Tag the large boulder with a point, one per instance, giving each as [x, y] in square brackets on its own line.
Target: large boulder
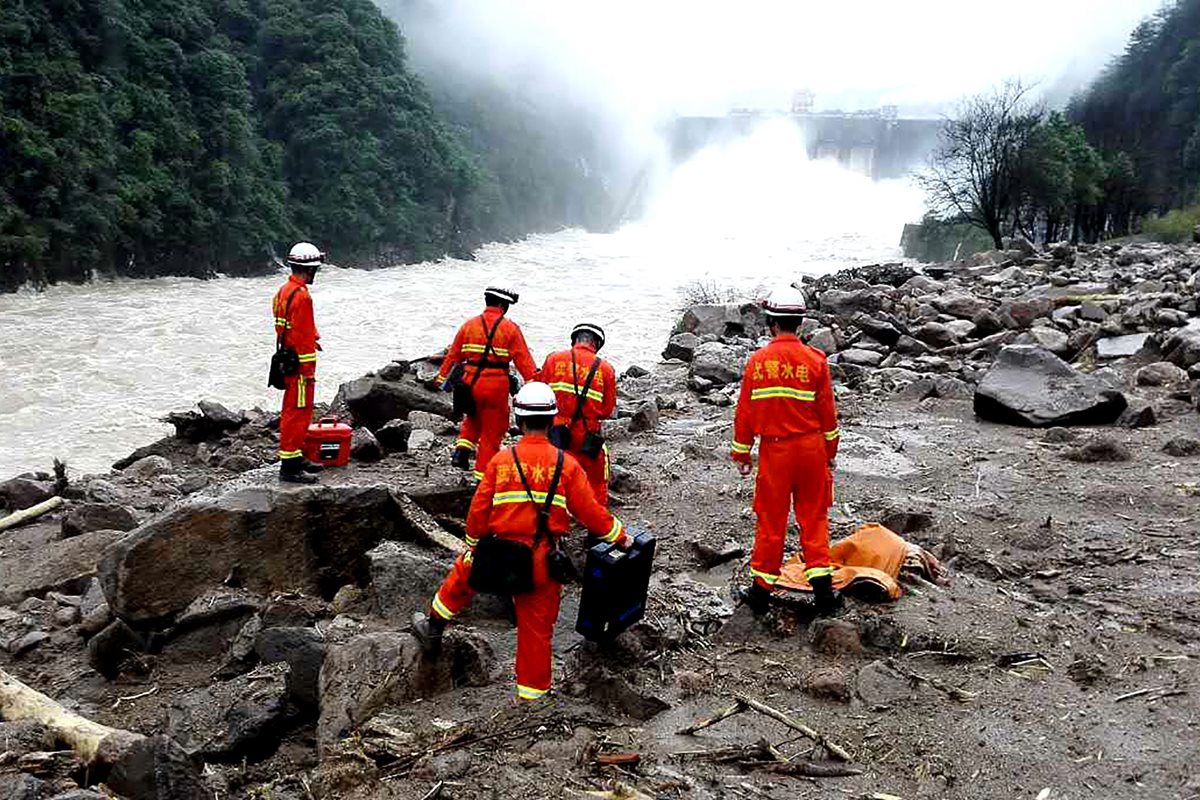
[374, 402]
[1020, 312]
[212, 421]
[719, 363]
[373, 670]
[1031, 386]
[848, 303]
[21, 492]
[1183, 347]
[62, 565]
[682, 346]
[959, 304]
[404, 577]
[731, 319]
[266, 538]
[88, 517]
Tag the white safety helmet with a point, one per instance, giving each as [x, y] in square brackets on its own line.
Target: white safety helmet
[305, 255]
[535, 400]
[503, 295]
[786, 302]
[594, 330]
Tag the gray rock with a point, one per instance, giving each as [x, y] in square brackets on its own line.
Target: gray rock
[732, 319]
[60, 565]
[848, 303]
[421, 439]
[111, 649]
[934, 334]
[269, 538]
[87, 517]
[906, 345]
[423, 420]
[682, 346]
[1053, 340]
[1120, 346]
[880, 330]
[1021, 312]
[303, 649]
[239, 463]
[149, 467]
[635, 371]
[862, 358]
[1138, 414]
[374, 402]
[987, 322]
[825, 340]
[394, 435]
[19, 786]
[395, 371]
[1162, 373]
[93, 608]
[1092, 311]
[66, 616]
[1182, 447]
[374, 670]
[623, 480]
[1031, 386]
[879, 685]
[364, 446]
[23, 644]
[19, 493]
[645, 418]
[1183, 347]
[719, 363]
[959, 304]
[404, 577]
[236, 719]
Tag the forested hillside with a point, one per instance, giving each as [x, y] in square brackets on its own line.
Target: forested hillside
[196, 136]
[1147, 104]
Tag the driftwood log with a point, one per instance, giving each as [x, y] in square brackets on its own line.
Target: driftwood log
[26, 514]
[136, 766]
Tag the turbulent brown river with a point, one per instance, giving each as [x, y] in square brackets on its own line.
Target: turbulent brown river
[89, 370]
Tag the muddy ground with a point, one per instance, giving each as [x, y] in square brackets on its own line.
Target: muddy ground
[1059, 663]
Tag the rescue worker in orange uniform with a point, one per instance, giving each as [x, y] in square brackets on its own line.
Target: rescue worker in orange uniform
[487, 345]
[296, 329]
[787, 402]
[502, 507]
[586, 388]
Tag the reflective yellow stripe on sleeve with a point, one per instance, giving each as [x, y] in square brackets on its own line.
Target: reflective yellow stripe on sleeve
[833, 434]
[465, 444]
[742, 449]
[615, 531]
[307, 357]
[440, 609]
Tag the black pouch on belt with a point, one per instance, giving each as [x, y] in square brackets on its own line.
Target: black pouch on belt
[559, 566]
[464, 399]
[501, 566]
[285, 362]
[593, 445]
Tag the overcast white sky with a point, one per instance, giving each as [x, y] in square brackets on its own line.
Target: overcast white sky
[695, 56]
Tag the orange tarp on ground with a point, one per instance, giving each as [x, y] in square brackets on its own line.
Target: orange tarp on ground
[869, 562]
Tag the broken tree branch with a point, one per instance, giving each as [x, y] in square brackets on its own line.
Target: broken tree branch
[961, 695]
[33, 512]
[708, 722]
[834, 750]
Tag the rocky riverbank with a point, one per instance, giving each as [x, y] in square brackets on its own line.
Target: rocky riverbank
[1029, 417]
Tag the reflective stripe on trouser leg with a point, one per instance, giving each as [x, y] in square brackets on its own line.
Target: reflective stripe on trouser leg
[813, 492]
[772, 503]
[537, 611]
[455, 594]
[294, 419]
[491, 404]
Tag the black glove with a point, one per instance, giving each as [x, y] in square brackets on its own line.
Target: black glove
[433, 385]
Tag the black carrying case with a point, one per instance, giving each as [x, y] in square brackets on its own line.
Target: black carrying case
[615, 585]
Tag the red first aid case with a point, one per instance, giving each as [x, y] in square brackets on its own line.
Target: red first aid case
[328, 442]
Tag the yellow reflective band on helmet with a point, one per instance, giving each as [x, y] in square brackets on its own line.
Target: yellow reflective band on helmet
[615, 531]
[817, 572]
[306, 357]
[290, 453]
[766, 577]
[440, 609]
[833, 434]
[789, 392]
[465, 444]
[738, 447]
[507, 498]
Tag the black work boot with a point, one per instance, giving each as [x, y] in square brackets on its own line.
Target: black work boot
[826, 599]
[756, 598]
[461, 458]
[427, 629]
[311, 466]
[291, 470]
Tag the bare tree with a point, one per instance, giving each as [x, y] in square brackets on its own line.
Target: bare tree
[974, 170]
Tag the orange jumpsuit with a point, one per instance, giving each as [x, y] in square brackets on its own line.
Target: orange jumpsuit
[567, 383]
[484, 430]
[787, 400]
[501, 507]
[294, 322]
